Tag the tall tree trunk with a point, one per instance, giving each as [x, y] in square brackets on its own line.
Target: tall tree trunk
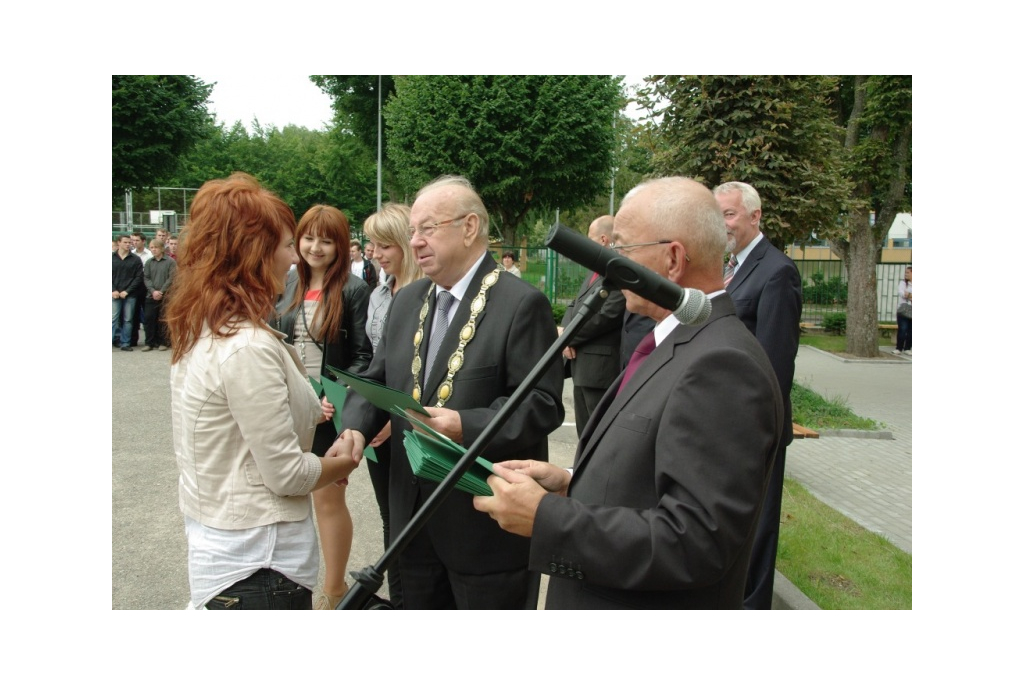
[861, 310]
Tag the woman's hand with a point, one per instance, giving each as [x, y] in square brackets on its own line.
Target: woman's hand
[328, 410]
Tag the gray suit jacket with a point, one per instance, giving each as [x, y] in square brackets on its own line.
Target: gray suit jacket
[768, 295]
[666, 491]
[514, 330]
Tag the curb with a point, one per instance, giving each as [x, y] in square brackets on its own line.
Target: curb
[854, 433]
[887, 359]
[788, 596]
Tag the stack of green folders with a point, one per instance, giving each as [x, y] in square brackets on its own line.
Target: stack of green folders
[431, 454]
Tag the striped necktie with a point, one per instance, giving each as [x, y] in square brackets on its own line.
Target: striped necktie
[730, 269]
[444, 301]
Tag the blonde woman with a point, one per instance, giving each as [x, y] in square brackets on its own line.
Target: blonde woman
[389, 231]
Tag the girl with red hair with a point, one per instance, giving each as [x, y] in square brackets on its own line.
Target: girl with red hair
[242, 410]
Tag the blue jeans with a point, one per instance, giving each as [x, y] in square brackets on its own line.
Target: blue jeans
[904, 329]
[265, 589]
[123, 314]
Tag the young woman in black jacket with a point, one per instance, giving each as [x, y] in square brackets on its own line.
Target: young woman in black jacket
[323, 314]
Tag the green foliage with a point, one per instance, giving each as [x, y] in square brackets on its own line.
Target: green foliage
[834, 322]
[524, 142]
[819, 292]
[304, 167]
[559, 311]
[154, 120]
[776, 133]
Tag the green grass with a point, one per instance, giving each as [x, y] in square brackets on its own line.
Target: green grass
[813, 411]
[837, 563]
[837, 343]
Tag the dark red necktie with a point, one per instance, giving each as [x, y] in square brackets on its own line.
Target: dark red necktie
[643, 350]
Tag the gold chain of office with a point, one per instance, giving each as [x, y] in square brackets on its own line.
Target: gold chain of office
[444, 392]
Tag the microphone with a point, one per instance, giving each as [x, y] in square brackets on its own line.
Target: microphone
[689, 305]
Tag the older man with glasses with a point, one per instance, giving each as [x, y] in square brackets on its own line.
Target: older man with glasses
[460, 342]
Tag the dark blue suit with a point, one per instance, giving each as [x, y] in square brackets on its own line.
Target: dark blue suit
[766, 289]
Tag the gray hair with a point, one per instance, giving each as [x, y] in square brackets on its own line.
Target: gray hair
[751, 200]
[467, 199]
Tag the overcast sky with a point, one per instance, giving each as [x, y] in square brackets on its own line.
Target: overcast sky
[272, 98]
[275, 99]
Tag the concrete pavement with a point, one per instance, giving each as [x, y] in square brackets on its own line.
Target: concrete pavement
[868, 480]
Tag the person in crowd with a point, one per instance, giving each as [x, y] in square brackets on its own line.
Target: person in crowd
[388, 229]
[766, 287]
[461, 342]
[363, 268]
[162, 235]
[371, 254]
[139, 247]
[172, 247]
[127, 278]
[904, 319]
[593, 352]
[508, 261]
[323, 314]
[660, 507]
[157, 274]
[243, 411]
[139, 317]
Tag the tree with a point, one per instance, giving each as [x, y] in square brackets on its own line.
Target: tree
[155, 120]
[357, 101]
[877, 112]
[776, 133]
[524, 142]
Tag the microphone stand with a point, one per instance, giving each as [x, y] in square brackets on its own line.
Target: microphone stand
[370, 579]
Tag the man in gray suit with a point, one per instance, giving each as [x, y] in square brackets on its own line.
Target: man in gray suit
[460, 341]
[660, 508]
[593, 352]
[765, 286]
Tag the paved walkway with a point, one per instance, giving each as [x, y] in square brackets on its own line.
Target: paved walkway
[868, 480]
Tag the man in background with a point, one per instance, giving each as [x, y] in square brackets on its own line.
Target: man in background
[766, 288]
[157, 274]
[127, 279]
[593, 351]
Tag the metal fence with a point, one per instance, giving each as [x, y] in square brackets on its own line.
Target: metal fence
[824, 282]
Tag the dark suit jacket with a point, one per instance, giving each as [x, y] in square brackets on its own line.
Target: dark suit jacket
[666, 492]
[597, 342]
[768, 295]
[514, 330]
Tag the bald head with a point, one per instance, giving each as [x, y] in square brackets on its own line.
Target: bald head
[683, 211]
[601, 229]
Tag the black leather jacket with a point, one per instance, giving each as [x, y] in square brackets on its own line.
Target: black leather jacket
[353, 351]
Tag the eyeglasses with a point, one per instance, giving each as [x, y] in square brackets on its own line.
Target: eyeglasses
[626, 249]
[427, 230]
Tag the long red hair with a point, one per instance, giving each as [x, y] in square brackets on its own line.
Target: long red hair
[225, 275]
[327, 222]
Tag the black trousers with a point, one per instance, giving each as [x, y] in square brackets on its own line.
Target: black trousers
[761, 574]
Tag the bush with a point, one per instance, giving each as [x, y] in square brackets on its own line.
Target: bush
[820, 292]
[559, 311]
[834, 322]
